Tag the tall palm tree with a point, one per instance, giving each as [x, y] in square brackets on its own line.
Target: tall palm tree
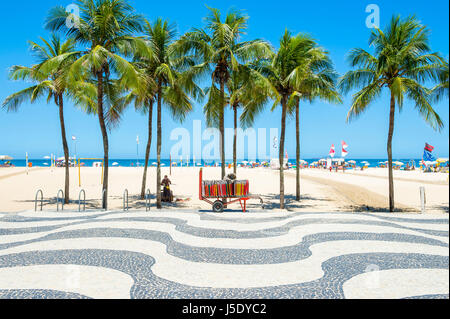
[219, 48]
[173, 80]
[279, 79]
[313, 79]
[52, 83]
[143, 98]
[401, 62]
[106, 27]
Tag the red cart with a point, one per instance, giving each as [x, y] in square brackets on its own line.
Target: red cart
[220, 202]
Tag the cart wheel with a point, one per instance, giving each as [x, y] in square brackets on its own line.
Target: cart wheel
[218, 206]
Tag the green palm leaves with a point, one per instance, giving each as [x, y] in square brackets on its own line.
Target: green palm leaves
[300, 70]
[50, 80]
[106, 28]
[219, 52]
[402, 62]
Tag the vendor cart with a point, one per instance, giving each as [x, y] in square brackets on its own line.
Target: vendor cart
[220, 200]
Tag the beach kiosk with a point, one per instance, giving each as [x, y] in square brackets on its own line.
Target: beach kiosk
[221, 193]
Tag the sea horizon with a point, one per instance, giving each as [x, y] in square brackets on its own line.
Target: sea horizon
[120, 162]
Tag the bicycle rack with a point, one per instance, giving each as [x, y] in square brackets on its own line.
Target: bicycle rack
[125, 195]
[84, 201]
[36, 199]
[147, 200]
[104, 199]
[58, 200]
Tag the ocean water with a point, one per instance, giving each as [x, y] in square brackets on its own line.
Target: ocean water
[166, 162]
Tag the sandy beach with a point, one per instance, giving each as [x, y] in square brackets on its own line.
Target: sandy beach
[322, 191]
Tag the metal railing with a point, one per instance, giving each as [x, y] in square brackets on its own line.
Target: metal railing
[36, 199]
[147, 200]
[58, 200]
[84, 200]
[125, 197]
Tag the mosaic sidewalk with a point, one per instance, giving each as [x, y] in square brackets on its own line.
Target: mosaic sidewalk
[189, 254]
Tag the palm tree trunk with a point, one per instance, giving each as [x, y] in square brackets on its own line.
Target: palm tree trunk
[158, 150]
[297, 160]
[222, 128]
[105, 139]
[281, 155]
[389, 151]
[235, 139]
[147, 150]
[65, 147]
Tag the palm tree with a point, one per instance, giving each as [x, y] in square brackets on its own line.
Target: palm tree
[401, 62]
[173, 80]
[282, 79]
[53, 84]
[313, 79]
[143, 98]
[236, 98]
[221, 53]
[106, 27]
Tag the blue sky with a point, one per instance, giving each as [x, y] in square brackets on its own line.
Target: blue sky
[337, 25]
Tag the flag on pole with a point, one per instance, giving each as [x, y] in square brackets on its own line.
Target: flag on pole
[427, 156]
[344, 149]
[332, 152]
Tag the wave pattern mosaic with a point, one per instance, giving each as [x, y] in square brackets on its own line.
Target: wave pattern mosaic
[186, 254]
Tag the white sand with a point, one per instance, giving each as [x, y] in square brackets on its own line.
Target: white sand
[321, 190]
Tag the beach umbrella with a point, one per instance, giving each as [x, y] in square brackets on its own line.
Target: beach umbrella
[115, 164]
[46, 164]
[5, 158]
[430, 163]
[398, 163]
[303, 162]
[162, 164]
[352, 161]
[442, 160]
